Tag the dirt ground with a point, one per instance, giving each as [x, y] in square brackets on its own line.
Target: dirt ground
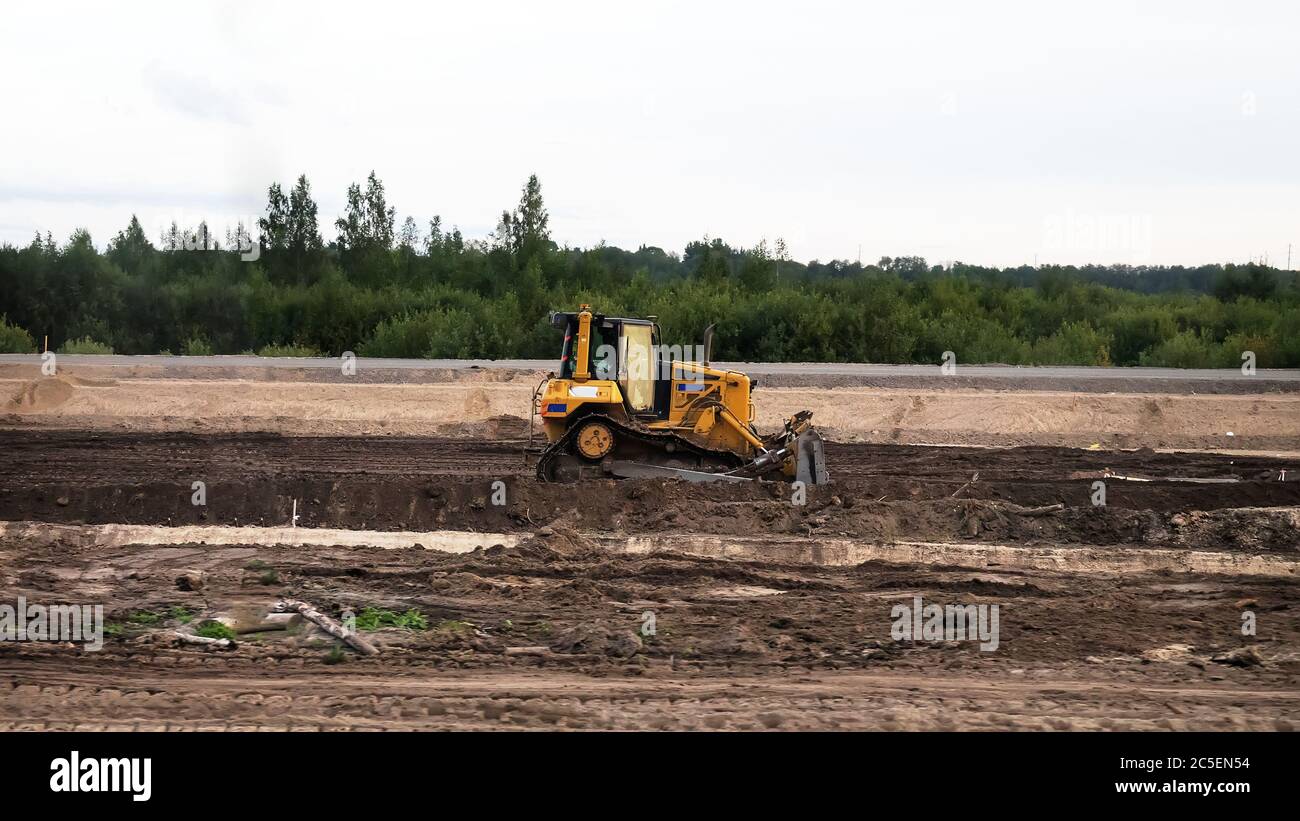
[490, 404]
[880, 492]
[552, 629]
[535, 637]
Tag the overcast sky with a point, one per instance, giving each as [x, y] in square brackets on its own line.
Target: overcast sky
[993, 133]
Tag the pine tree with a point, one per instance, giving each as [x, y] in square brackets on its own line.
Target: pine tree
[302, 241]
[130, 249]
[351, 226]
[275, 225]
[434, 242]
[368, 221]
[529, 228]
[380, 216]
[409, 236]
[302, 231]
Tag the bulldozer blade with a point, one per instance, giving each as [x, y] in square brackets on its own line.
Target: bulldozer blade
[638, 470]
[810, 453]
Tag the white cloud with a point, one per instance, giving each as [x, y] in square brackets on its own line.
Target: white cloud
[951, 130]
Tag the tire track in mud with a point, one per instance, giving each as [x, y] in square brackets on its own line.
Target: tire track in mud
[35, 456]
[46, 455]
[857, 701]
[880, 492]
[738, 644]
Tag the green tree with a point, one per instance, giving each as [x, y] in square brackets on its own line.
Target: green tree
[368, 221]
[14, 339]
[758, 269]
[130, 250]
[275, 225]
[531, 231]
[302, 233]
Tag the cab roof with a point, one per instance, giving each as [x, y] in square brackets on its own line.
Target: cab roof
[561, 319]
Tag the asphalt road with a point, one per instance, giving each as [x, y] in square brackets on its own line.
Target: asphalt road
[771, 374]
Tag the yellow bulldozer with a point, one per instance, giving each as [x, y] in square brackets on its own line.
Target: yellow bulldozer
[625, 406]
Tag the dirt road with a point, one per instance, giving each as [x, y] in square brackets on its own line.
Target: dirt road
[547, 635]
[880, 491]
[558, 630]
[994, 377]
[1108, 409]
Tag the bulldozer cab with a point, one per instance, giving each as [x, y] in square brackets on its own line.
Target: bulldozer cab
[622, 350]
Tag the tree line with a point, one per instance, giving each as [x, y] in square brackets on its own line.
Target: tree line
[415, 289]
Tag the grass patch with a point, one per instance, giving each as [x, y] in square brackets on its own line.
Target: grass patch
[153, 618]
[288, 350]
[269, 578]
[373, 618]
[336, 656]
[211, 629]
[181, 614]
[454, 626]
[256, 565]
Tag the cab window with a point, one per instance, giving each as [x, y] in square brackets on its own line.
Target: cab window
[636, 367]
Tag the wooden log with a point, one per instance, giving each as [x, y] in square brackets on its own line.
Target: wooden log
[528, 651]
[972, 481]
[264, 627]
[1041, 511]
[190, 638]
[329, 625]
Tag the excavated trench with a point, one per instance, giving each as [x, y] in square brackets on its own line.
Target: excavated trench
[1033, 496]
[768, 614]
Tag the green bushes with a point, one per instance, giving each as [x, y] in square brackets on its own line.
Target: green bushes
[1074, 343]
[211, 629]
[1188, 349]
[14, 339]
[373, 618]
[196, 346]
[85, 345]
[486, 329]
[288, 350]
[445, 297]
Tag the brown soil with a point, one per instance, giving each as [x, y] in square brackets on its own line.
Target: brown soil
[880, 492]
[548, 634]
[533, 637]
[495, 403]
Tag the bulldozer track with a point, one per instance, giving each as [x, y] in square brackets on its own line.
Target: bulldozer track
[138, 472]
[656, 439]
[724, 657]
[761, 640]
